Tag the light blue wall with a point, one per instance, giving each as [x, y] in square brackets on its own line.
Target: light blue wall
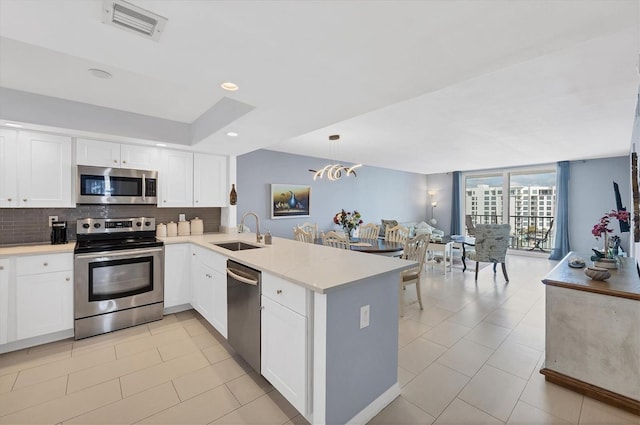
[376, 193]
[361, 363]
[591, 196]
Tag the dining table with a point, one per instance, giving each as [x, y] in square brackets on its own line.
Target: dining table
[376, 246]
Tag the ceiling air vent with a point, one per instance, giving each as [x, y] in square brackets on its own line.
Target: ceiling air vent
[132, 18]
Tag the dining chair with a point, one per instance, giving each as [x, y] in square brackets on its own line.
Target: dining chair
[368, 231]
[301, 235]
[415, 250]
[311, 228]
[397, 233]
[335, 240]
[492, 242]
[471, 228]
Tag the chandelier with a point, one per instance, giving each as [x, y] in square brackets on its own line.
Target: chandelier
[335, 171]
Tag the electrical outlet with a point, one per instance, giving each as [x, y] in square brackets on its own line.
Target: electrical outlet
[364, 316]
[52, 218]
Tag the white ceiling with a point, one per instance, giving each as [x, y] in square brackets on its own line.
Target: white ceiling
[422, 86]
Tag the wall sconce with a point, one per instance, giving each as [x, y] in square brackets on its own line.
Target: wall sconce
[434, 204]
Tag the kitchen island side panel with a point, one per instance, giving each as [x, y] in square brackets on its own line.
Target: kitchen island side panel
[361, 364]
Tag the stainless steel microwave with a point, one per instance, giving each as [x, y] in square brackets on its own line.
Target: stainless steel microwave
[104, 185]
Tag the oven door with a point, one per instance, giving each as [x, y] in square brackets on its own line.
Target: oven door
[117, 280]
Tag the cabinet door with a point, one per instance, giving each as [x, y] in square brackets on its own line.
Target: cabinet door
[44, 172]
[44, 303]
[8, 168]
[284, 352]
[139, 157]
[203, 290]
[97, 153]
[209, 180]
[177, 278]
[176, 179]
[4, 300]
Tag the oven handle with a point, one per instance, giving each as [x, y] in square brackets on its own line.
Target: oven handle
[144, 187]
[243, 279]
[119, 253]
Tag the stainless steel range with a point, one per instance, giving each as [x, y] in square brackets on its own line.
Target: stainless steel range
[118, 275]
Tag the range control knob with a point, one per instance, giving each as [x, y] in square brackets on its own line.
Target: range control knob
[96, 225]
[139, 224]
[85, 226]
[147, 223]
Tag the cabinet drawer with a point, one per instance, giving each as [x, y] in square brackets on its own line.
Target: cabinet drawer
[36, 264]
[286, 293]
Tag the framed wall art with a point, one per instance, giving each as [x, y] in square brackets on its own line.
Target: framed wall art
[290, 200]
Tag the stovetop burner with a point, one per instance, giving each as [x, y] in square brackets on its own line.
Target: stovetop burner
[112, 234]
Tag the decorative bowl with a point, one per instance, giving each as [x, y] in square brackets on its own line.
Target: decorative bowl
[597, 273]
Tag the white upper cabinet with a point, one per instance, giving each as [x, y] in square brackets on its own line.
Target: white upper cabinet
[8, 168]
[108, 154]
[35, 170]
[209, 180]
[176, 179]
[192, 180]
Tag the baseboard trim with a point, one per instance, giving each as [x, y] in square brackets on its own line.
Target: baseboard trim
[593, 391]
[369, 412]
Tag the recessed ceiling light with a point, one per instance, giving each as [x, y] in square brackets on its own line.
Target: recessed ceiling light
[232, 134]
[10, 124]
[100, 73]
[229, 86]
[162, 145]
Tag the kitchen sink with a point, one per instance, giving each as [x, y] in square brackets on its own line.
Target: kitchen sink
[235, 246]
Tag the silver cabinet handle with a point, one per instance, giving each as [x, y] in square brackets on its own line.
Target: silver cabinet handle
[46, 264]
[1, 267]
[279, 291]
[115, 161]
[124, 162]
[24, 200]
[68, 279]
[9, 199]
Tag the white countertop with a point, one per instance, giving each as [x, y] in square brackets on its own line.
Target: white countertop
[316, 267]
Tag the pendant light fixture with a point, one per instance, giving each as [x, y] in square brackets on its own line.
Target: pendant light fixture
[335, 171]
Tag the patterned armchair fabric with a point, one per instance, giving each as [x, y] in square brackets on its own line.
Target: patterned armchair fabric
[492, 242]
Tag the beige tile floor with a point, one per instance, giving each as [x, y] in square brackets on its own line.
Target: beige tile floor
[470, 357]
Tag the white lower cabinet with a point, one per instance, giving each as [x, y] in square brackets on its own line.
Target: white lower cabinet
[177, 275]
[4, 300]
[44, 294]
[209, 292]
[284, 332]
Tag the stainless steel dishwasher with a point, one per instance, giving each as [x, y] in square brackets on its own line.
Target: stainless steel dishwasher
[243, 312]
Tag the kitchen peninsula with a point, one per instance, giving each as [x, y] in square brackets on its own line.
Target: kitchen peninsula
[593, 333]
[333, 362]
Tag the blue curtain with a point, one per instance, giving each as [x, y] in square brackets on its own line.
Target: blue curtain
[561, 247]
[456, 196]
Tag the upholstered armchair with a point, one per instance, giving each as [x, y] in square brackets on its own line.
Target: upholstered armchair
[492, 242]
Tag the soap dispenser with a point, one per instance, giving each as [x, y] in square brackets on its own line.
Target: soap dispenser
[267, 237]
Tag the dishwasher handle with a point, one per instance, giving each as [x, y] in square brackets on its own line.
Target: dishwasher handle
[241, 277]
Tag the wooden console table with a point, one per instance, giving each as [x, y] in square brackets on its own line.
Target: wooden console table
[593, 333]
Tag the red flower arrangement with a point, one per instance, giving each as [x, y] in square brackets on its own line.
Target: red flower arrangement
[347, 220]
[603, 225]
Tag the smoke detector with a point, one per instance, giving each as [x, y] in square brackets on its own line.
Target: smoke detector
[132, 18]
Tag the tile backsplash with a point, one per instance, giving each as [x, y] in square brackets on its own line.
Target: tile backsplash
[29, 225]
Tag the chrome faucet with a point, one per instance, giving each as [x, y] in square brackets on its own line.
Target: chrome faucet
[258, 235]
